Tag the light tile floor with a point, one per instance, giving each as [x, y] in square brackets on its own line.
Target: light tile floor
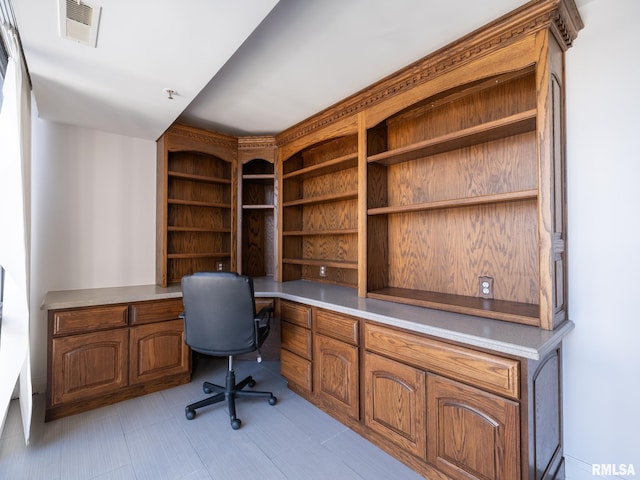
[150, 438]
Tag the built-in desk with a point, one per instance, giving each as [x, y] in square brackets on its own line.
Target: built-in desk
[521, 340]
[451, 395]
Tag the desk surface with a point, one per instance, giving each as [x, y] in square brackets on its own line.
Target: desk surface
[510, 338]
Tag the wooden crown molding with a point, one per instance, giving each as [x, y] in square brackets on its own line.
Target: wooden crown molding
[560, 16]
[206, 137]
[247, 143]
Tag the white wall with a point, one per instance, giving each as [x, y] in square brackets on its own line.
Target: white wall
[602, 355]
[93, 217]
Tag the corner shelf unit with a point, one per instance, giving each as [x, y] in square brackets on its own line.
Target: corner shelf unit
[258, 201]
[195, 203]
[319, 211]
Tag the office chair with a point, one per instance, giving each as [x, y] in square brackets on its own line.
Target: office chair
[220, 319]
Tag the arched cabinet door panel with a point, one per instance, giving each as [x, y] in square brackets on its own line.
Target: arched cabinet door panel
[472, 434]
[395, 402]
[94, 364]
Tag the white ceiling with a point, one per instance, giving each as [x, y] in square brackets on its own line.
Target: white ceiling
[247, 67]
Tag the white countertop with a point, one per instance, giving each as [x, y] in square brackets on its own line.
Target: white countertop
[510, 338]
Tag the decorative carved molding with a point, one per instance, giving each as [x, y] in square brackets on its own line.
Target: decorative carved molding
[248, 143]
[206, 137]
[561, 16]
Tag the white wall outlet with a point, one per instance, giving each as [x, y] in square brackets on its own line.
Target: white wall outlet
[485, 286]
[323, 271]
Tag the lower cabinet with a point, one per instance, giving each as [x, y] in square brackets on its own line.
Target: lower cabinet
[103, 354]
[88, 365]
[396, 403]
[156, 351]
[471, 433]
[446, 410]
[297, 349]
[336, 365]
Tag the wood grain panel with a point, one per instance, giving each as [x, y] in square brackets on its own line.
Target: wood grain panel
[197, 217]
[295, 313]
[78, 320]
[198, 242]
[198, 191]
[447, 250]
[346, 181]
[500, 166]
[331, 247]
[395, 403]
[494, 373]
[88, 365]
[336, 325]
[472, 434]
[179, 267]
[199, 164]
[297, 340]
[335, 375]
[296, 369]
[157, 350]
[334, 148]
[156, 310]
[447, 113]
[340, 215]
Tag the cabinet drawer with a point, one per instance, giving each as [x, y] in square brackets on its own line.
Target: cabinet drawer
[486, 371]
[88, 319]
[296, 339]
[295, 369]
[156, 311]
[340, 327]
[296, 313]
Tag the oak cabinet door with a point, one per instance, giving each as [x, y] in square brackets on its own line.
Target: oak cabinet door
[335, 376]
[472, 434]
[395, 404]
[157, 350]
[88, 365]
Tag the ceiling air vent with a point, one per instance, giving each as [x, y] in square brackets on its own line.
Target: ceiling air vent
[79, 21]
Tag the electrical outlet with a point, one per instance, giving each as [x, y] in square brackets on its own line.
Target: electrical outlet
[485, 287]
[220, 266]
[323, 271]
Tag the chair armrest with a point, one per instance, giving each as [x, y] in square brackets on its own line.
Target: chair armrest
[265, 313]
[263, 324]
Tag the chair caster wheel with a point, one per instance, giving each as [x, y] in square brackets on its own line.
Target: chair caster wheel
[190, 414]
[206, 390]
[251, 383]
[235, 423]
[273, 400]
